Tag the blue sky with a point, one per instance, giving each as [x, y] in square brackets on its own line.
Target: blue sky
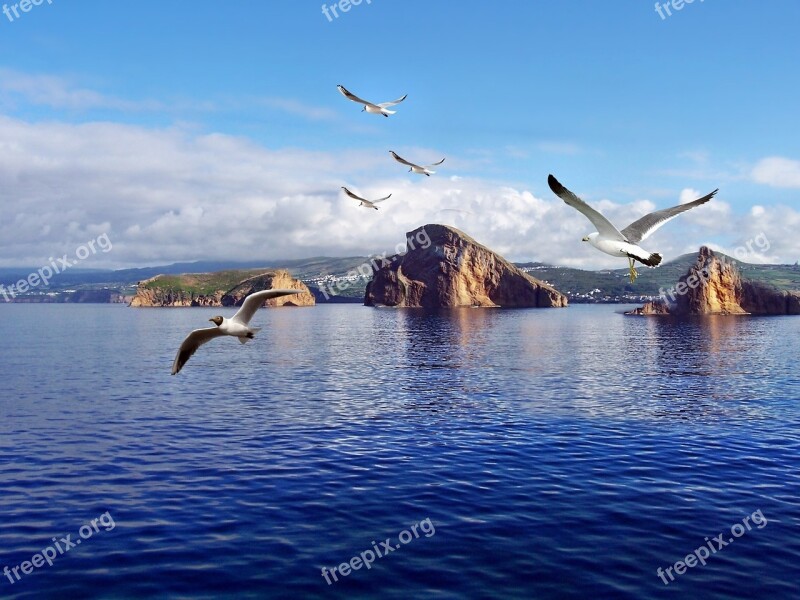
[153, 120]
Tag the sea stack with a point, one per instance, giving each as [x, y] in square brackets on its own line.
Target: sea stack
[714, 286]
[443, 267]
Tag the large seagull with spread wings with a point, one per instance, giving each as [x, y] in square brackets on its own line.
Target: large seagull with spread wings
[612, 241]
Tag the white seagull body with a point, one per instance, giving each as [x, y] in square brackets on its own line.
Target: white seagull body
[364, 201]
[237, 326]
[612, 241]
[412, 168]
[371, 107]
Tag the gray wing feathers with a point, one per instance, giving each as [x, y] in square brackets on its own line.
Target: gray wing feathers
[402, 160]
[604, 226]
[190, 345]
[360, 199]
[393, 102]
[641, 229]
[352, 195]
[254, 301]
[350, 96]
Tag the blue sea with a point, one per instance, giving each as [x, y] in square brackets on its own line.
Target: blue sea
[552, 453]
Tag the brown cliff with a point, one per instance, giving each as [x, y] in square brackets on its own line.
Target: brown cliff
[454, 270]
[651, 308]
[226, 288]
[714, 286]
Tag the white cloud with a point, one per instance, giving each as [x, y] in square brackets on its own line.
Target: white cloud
[777, 171]
[166, 195]
[688, 195]
[57, 92]
[769, 236]
[62, 94]
[295, 107]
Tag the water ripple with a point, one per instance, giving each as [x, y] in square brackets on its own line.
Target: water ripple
[559, 454]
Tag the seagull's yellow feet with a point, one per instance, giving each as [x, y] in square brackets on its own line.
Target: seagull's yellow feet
[633, 273]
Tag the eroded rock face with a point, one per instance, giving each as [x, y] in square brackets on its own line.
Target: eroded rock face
[454, 270]
[714, 286]
[169, 297]
[711, 287]
[651, 308]
[174, 292]
[267, 281]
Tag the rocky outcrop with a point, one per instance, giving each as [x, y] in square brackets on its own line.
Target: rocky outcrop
[454, 270]
[198, 290]
[714, 286]
[711, 287]
[656, 307]
[268, 281]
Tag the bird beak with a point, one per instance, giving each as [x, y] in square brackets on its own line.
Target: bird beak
[585, 238]
[211, 320]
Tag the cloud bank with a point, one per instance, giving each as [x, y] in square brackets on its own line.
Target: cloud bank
[166, 195]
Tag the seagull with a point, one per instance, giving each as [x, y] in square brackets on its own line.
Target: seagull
[364, 201]
[426, 170]
[610, 240]
[235, 326]
[374, 109]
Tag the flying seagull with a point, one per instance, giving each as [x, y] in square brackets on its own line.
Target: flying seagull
[374, 109]
[364, 201]
[237, 326]
[610, 240]
[426, 170]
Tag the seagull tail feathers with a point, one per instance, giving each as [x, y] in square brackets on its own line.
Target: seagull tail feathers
[654, 260]
[250, 335]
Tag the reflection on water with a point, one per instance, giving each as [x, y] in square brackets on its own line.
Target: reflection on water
[559, 453]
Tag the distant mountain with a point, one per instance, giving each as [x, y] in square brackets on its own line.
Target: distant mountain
[615, 285]
[128, 278]
[333, 279]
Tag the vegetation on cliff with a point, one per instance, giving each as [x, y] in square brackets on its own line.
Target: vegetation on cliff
[224, 288]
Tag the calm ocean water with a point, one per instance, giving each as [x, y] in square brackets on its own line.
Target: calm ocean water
[557, 453]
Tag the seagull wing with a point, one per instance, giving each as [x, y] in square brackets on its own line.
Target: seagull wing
[381, 199]
[435, 164]
[644, 227]
[254, 301]
[604, 226]
[352, 195]
[351, 96]
[190, 345]
[402, 161]
[393, 102]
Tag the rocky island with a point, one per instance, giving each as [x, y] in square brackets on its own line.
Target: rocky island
[714, 286]
[225, 288]
[454, 270]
